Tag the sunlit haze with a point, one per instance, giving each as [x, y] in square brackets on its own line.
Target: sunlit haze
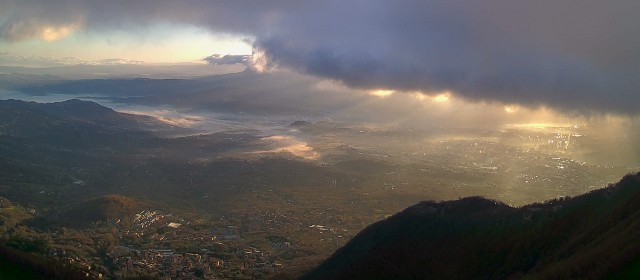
[325, 139]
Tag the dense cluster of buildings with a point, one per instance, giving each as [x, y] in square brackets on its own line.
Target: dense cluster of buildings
[165, 264]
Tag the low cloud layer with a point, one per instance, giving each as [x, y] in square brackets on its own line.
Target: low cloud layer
[577, 55]
[219, 59]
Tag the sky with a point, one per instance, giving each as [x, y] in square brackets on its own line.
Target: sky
[580, 56]
[161, 43]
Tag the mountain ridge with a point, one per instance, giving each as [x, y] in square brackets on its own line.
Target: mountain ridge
[15, 115]
[590, 236]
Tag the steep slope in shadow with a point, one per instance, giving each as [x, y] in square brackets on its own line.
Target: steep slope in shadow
[100, 209]
[591, 236]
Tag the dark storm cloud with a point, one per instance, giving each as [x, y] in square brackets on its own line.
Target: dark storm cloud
[581, 55]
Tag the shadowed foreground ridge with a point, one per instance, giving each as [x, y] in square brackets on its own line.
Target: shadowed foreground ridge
[592, 236]
[101, 209]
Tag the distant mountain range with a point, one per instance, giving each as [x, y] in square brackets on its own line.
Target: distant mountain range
[21, 118]
[246, 92]
[592, 236]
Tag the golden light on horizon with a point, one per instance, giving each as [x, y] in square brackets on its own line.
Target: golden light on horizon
[538, 125]
[419, 96]
[382, 92]
[437, 97]
[441, 98]
[54, 33]
[510, 109]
